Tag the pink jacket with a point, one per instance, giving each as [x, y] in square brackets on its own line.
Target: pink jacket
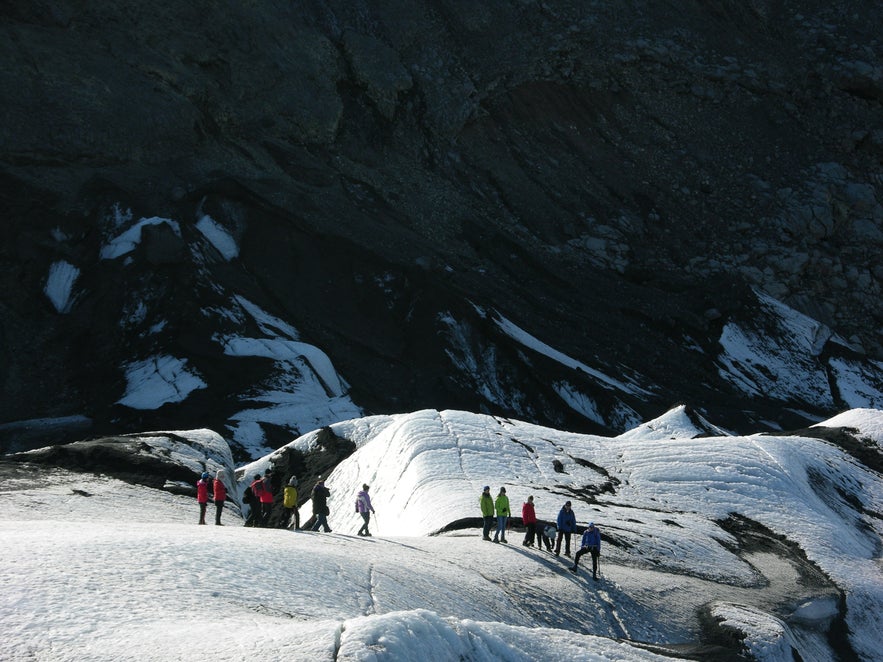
[202, 490]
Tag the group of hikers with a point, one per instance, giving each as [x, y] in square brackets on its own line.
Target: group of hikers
[496, 514]
[259, 496]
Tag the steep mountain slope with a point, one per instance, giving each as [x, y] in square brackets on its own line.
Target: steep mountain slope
[398, 185]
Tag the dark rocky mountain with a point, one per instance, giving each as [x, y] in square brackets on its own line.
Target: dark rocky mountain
[575, 213]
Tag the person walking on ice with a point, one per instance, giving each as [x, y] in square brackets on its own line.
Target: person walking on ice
[202, 495]
[486, 501]
[364, 508]
[501, 505]
[320, 506]
[529, 519]
[289, 502]
[566, 526]
[219, 491]
[591, 543]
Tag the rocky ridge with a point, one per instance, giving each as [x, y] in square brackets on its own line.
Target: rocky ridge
[616, 178]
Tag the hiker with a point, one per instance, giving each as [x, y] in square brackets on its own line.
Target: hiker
[289, 502]
[566, 526]
[266, 497]
[529, 519]
[219, 491]
[545, 535]
[487, 511]
[591, 543]
[364, 508]
[501, 505]
[253, 499]
[202, 495]
[320, 506]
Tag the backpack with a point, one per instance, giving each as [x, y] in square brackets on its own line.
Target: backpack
[248, 495]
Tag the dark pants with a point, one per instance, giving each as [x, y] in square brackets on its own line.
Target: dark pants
[566, 536]
[544, 540]
[266, 509]
[219, 507]
[254, 513]
[595, 554]
[364, 530]
[489, 521]
[321, 520]
[531, 534]
[202, 507]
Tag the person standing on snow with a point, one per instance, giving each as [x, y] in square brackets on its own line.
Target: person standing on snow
[320, 506]
[252, 497]
[545, 535]
[566, 526]
[219, 490]
[486, 502]
[591, 543]
[266, 497]
[364, 508]
[202, 495]
[529, 519]
[289, 502]
[501, 505]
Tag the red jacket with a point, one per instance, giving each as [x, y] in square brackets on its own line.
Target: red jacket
[202, 490]
[528, 514]
[220, 490]
[266, 494]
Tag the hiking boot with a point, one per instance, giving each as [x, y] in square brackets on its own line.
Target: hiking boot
[502, 540]
[488, 538]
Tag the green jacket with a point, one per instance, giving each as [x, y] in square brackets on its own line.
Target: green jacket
[487, 505]
[502, 505]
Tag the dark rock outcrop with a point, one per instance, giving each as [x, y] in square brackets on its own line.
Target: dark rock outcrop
[616, 179]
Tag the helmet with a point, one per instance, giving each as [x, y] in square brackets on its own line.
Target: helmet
[293, 481]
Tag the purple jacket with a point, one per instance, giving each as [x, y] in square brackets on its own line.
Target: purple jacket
[363, 502]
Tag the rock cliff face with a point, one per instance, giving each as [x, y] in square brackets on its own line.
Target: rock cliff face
[560, 211]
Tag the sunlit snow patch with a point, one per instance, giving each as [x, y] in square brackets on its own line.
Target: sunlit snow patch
[857, 383]
[783, 364]
[60, 283]
[524, 338]
[157, 381]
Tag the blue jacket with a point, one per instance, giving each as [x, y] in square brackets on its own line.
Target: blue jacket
[566, 521]
[591, 538]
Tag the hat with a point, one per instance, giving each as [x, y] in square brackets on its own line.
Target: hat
[567, 504]
[486, 488]
[502, 490]
[205, 474]
[220, 473]
[365, 487]
[591, 524]
[292, 481]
